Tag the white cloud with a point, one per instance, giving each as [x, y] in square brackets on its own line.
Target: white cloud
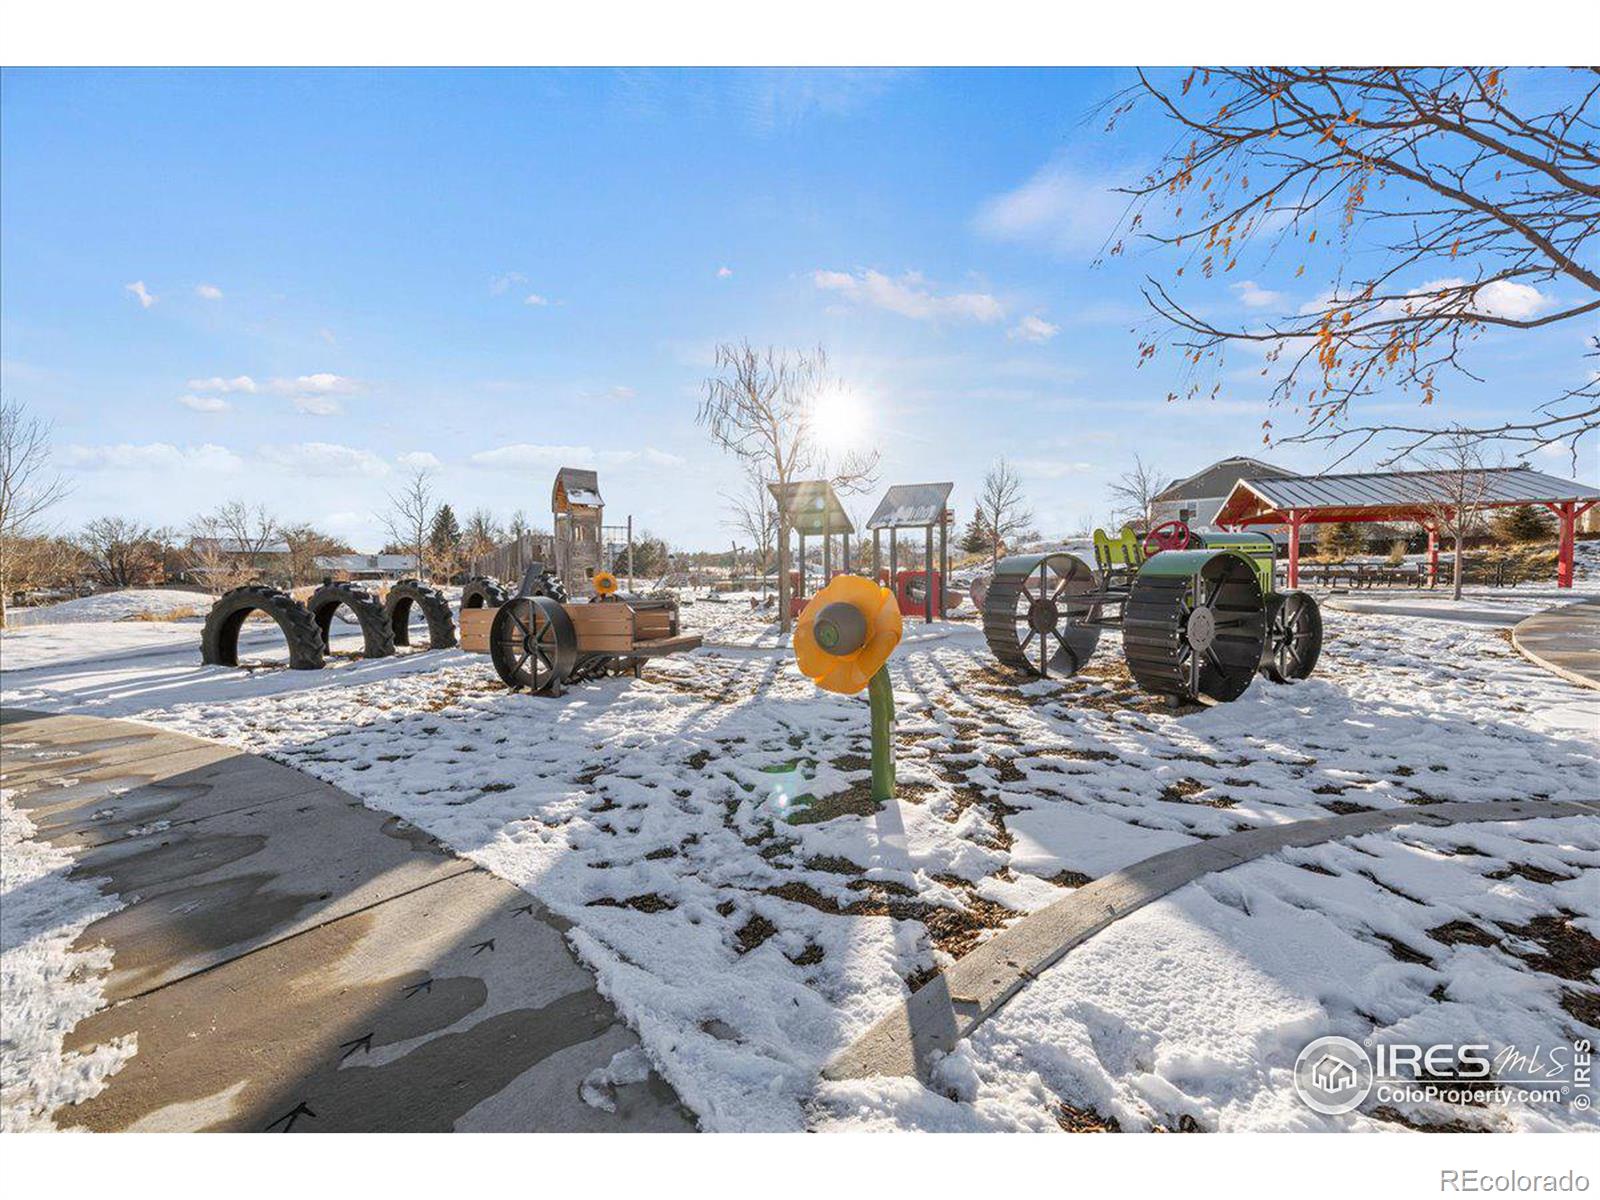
[537, 300]
[501, 284]
[318, 406]
[525, 454]
[620, 392]
[206, 404]
[1498, 298]
[1033, 329]
[140, 293]
[208, 291]
[325, 458]
[908, 297]
[417, 459]
[1051, 468]
[522, 455]
[724, 272]
[1252, 295]
[1060, 208]
[321, 384]
[239, 383]
[152, 456]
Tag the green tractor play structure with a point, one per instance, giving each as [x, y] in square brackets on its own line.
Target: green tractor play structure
[1198, 612]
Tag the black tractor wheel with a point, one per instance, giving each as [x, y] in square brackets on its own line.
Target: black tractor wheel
[533, 645]
[484, 592]
[219, 642]
[435, 609]
[376, 634]
[1294, 637]
[1035, 616]
[1196, 634]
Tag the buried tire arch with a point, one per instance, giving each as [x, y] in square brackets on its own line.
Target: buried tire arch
[219, 642]
[377, 635]
[413, 593]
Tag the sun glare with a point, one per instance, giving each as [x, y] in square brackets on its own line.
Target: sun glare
[841, 420]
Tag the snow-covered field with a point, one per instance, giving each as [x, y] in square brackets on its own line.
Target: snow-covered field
[708, 830]
[123, 605]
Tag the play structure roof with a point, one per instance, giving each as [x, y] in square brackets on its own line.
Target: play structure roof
[578, 486]
[910, 505]
[1389, 495]
[811, 507]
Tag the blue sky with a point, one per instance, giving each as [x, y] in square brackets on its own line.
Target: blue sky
[290, 286]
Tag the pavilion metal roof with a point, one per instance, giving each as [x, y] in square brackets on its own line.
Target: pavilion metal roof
[811, 507]
[911, 505]
[1395, 493]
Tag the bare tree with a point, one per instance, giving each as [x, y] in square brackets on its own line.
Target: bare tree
[755, 515]
[410, 519]
[307, 544]
[27, 487]
[760, 407]
[1000, 505]
[228, 547]
[480, 536]
[1134, 491]
[1450, 492]
[122, 552]
[1433, 204]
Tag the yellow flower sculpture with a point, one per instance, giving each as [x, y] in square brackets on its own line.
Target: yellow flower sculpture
[838, 649]
[605, 583]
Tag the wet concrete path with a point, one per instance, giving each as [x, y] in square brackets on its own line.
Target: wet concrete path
[290, 960]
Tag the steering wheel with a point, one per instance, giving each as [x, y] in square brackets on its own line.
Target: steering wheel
[1169, 535]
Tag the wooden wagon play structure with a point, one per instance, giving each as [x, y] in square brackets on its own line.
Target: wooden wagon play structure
[540, 643]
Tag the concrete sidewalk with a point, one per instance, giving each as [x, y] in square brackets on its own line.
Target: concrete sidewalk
[291, 960]
[1565, 640]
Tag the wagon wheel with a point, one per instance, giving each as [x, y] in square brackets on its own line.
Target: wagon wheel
[533, 644]
[1294, 637]
[1198, 633]
[1038, 611]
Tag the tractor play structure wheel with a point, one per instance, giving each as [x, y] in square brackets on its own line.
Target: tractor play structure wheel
[483, 592]
[219, 642]
[435, 610]
[1195, 625]
[1294, 637]
[1031, 618]
[533, 644]
[376, 633]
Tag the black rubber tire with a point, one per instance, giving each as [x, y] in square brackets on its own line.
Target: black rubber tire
[1294, 637]
[376, 632]
[483, 592]
[219, 642]
[435, 610]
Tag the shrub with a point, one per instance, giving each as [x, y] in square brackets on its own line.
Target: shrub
[1524, 523]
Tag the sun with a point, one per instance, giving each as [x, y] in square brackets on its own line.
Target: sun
[841, 420]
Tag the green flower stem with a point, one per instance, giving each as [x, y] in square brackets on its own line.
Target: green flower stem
[880, 695]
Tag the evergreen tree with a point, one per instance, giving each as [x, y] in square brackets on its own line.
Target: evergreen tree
[444, 542]
[976, 538]
[1524, 523]
[1341, 539]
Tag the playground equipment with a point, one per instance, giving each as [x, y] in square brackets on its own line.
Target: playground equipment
[430, 602]
[1198, 611]
[377, 634]
[912, 506]
[219, 641]
[842, 643]
[542, 643]
[810, 509]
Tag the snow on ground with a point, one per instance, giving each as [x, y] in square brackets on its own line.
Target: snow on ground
[709, 832]
[148, 603]
[46, 987]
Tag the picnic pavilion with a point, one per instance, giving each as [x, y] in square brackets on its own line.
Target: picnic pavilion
[1294, 501]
